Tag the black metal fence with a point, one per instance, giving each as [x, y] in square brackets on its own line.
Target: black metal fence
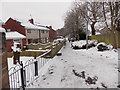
[23, 74]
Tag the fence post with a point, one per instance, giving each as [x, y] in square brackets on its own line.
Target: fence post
[22, 76]
[36, 67]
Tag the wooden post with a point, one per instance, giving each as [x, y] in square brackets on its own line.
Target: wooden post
[16, 57]
[22, 76]
[4, 76]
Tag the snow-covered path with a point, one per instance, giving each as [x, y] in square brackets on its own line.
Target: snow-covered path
[58, 73]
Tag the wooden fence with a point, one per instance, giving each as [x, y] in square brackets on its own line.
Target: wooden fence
[109, 38]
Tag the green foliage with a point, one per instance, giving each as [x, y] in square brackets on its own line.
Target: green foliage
[37, 46]
[26, 53]
[54, 51]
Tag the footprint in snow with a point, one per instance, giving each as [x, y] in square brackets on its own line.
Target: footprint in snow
[64, 78]
[48, 83]
[65, 61]
[44, 77]
[107, 57]
[61, 59]
[51, 69]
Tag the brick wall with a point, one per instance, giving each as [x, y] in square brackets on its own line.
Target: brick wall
[52, 34]
[24, 42]
[9, 43]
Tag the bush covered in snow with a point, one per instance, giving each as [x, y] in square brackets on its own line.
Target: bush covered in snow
[103, 46]
[82, 44]
[16, 47]
[56, 41]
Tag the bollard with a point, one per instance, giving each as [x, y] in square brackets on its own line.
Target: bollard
[36, 68]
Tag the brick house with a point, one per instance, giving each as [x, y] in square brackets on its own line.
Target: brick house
[14, 37]
[33, 33]
[52, 33]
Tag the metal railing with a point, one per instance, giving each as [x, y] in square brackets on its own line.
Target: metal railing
[23, 74]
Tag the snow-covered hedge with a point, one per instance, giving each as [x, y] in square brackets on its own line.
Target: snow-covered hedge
[102, 46]
[82, 44]
[56, 41]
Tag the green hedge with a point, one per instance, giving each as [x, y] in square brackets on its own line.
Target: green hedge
[37, 46]
[26, 53]
[55, 49]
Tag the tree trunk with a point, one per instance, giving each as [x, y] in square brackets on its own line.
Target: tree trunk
[93, 28]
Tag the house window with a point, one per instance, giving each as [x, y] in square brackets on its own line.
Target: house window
[35, 40]
[43, 40]
[29, 41]
[43, 31]
[46, 31]
[8, 30]
[17, 41]
[28, 31]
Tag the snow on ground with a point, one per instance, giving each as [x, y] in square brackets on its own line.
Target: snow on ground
[58, 72]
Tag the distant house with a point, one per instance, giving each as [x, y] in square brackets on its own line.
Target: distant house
[33, 33]
[52, 33]
[14, 37]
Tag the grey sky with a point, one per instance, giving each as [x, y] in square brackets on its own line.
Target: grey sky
[46, 13]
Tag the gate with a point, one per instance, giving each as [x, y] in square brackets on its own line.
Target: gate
[23, 74]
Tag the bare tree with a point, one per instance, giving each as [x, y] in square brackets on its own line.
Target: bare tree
[91, 12]
[112, 10]
[74, 23]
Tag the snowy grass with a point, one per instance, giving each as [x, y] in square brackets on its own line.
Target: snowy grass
[58, 73]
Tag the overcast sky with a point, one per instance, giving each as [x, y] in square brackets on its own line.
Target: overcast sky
[46, 13]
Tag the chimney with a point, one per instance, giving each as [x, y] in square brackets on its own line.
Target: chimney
[50, 27]
[31, 21]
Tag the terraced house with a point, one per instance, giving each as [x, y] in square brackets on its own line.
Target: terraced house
[32, 32]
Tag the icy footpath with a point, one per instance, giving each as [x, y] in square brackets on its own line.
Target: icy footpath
[65, 71]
